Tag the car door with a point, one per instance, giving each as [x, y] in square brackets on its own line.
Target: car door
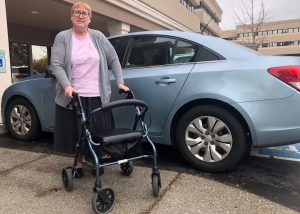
[155, 69]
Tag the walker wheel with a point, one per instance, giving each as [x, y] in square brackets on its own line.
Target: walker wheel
[127, 168]
[67, 178]
[103, 200]
[155, 184]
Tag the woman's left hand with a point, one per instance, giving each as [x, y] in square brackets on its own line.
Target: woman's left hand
[123, 87]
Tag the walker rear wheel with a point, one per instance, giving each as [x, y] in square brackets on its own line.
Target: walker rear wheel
[67, 178]
[127, 168]
[103, 200]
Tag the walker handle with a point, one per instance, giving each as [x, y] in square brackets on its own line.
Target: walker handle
[130, 94]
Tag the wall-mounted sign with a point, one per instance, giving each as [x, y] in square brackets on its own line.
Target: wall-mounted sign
[2, 62]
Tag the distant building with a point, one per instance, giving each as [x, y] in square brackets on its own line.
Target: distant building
[275, 38]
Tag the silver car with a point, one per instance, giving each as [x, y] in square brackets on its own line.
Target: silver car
[210, 98]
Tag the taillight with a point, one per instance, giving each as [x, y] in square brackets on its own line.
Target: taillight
[288, 74]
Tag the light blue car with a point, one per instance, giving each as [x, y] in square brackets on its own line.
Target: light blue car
[210, 98]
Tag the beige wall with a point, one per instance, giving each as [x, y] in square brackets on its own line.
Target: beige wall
[5, 77]
[214, 8]
[176, 11]
[212, 26]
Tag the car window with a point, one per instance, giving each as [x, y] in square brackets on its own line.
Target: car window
[184, 52]
[119, 45]
[156, 50]
[208, 55]
[150, 51]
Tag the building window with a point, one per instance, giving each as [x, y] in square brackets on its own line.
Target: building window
[39, 59]
[19, 60]
[27, 60]
[188, 5]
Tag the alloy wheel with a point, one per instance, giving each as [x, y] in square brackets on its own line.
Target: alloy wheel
[208, 139]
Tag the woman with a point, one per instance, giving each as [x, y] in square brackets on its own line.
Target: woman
[80, 61]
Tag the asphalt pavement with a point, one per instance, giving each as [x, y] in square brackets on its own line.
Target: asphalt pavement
[30, 182]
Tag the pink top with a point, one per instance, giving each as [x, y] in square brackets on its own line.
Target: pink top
[85, 66]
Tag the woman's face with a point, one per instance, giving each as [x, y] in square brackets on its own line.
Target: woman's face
[80, 18]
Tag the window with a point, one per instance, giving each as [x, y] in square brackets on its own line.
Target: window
[152, 51]
[208, 55]
[188, 5]
[120, 45]
[27, 60]
[39, 59]
[184, 53]
[19, 59]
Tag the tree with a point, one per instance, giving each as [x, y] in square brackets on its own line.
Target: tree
[249, 19]
[18, 54]
[40, 65]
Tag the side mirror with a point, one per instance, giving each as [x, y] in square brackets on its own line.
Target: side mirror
[49, 73]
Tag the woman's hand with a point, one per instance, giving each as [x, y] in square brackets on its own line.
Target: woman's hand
[68, 91]
[123, 87]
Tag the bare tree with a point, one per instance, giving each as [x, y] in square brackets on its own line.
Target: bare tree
[250, 18]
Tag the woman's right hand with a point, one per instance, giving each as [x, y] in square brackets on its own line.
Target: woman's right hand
[68, 91]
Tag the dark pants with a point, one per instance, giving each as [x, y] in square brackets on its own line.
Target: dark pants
[68, 125]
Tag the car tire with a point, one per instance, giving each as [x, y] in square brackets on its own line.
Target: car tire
[22, 120]
[211, 138]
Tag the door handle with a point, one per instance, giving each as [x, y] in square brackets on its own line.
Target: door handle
[165, 81]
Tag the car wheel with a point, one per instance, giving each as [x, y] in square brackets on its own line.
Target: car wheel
[22, 120]
[210, 138]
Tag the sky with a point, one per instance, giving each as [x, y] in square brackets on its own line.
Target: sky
[277, 10]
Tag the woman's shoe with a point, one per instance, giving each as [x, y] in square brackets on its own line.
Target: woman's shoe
[78, 172]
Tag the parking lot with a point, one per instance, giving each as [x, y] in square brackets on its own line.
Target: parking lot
[31, 183]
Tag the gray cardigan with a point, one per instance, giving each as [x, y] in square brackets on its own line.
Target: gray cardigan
[61, 64]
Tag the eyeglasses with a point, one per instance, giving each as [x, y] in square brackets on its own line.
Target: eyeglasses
[84, 13]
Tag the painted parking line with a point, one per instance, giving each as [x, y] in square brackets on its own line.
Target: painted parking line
[289, 152]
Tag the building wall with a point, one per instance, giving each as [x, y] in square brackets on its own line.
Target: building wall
[5, 74]
[176, 11]
[275, 38]
[210, 15]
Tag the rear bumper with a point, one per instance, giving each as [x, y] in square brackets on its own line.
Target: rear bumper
[274, 122]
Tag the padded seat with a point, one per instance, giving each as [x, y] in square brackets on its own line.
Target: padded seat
[117, 135]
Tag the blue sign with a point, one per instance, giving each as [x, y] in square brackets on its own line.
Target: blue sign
[2, 61]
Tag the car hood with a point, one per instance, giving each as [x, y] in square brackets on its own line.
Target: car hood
[33, 77]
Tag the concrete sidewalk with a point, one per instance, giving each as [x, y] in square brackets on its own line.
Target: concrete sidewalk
[31, 183]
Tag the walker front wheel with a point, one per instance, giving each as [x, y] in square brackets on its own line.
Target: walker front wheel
[155, 184]
[103, 200]
[67, 178]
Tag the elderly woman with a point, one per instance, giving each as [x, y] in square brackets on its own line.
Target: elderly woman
[80, 61]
